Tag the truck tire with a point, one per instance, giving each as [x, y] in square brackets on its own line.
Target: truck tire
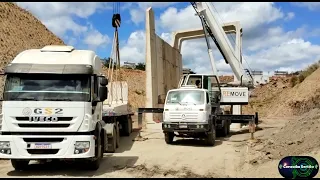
[19, 164]
[168, 137]
[228, 127]
[118, 135]
[224, 130]
[127, 126]
[112, 142]
[95, 164]
[211, 136]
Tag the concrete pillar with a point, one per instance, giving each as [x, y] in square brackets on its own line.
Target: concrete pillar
[151, 66]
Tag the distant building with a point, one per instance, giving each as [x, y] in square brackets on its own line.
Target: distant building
[129, 65]
[281, 73]
[187, 71]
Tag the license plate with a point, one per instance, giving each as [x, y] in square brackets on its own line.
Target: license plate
[183, 126]
[42, 146]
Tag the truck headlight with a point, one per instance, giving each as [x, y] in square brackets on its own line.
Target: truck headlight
[81, 147]
[5, 147]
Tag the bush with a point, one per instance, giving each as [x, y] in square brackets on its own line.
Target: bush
[141, 66]
[304, 74]
[293, 81]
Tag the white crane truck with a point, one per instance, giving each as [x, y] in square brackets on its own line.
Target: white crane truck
[190, 111]
[197, 112]
[52, 108]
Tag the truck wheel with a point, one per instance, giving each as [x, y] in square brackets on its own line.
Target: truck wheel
[228, 127]
[224, 130]
[127, 126]
[211, 136]
[112, 142]
[95, 164]
[118, 136]
[19, 164]
[168, 137]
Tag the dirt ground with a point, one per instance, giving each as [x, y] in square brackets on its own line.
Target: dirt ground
[234, 156]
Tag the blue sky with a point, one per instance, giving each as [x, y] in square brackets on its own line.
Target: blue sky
[277, 36]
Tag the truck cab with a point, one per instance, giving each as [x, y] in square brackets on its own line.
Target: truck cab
[52, 107]
[190, 110]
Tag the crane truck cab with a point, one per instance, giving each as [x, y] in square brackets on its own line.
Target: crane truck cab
[52, 107]
[190, 111]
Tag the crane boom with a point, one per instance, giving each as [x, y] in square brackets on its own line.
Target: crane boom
[215, 30]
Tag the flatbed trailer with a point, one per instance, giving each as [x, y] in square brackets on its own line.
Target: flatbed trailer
[118, 124]
[251, 120]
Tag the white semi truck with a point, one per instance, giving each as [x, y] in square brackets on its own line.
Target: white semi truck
[52, 108]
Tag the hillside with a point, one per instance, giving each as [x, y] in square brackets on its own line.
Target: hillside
[20, 30]
[279, 99]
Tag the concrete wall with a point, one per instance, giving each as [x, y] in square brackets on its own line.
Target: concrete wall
[163, 68]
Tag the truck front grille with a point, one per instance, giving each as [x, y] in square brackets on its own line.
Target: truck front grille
[188, 116]
[53, 125]
[59, 118]
[23, 122]
[43, 151]
[42, 140]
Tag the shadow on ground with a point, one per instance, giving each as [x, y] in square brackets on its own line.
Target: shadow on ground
[196, 142]
[126, 143]
[60, 168]
[109, 164]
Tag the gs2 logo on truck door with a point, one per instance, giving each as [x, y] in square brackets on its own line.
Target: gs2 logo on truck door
[48, 111]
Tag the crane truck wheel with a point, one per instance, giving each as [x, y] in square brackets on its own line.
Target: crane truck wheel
[228, 127]
[168, 137]
[95, 164]
[211, 136]
[127, 126]
[118, 135]
[19, 165]
[224, 130]
[112, 142]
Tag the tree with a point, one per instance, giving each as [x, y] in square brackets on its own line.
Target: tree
[106, 62]
[141, 66]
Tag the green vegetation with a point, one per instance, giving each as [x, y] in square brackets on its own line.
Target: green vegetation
[299, 77]
[139, 66]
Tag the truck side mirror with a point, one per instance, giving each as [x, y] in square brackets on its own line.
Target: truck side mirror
[102, 89]
[103, 81]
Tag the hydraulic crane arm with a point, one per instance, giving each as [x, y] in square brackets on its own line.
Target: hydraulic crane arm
[214, 29]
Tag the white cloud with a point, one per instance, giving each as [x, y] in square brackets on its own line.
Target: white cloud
[260, 13]
[58, 18]
[265, 46]
[134, 50]
[95, 39]
[290, 15]
[137, 16]
[293, 54]
[138, 10]
[310, 5]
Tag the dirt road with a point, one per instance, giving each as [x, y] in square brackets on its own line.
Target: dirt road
[152, 157]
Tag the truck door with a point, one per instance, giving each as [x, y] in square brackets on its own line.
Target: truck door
[208, 105]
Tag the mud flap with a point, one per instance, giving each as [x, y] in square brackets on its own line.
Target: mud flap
[109, 129]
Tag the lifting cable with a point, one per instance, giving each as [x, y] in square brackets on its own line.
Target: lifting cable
[114, 61]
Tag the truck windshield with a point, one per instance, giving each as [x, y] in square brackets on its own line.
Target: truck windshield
[186, 96]
[47, 87]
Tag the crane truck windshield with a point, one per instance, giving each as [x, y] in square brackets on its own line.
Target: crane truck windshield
[47, 87]
[186, 97]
